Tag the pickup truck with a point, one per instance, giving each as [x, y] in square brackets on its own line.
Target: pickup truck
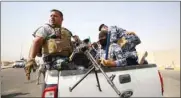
[132, 81]
[128, 81]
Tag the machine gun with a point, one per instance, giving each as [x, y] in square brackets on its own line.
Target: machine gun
[94, 67]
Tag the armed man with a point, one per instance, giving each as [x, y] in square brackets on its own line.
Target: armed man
[52, 41]
[116, 57]
[126, 40]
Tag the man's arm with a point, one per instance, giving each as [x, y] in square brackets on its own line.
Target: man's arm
[120, 57]
[116, 33]
[39, 35]
[36, 45]
[136, 40]
[120, 31]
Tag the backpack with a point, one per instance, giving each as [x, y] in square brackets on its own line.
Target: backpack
[57, 45]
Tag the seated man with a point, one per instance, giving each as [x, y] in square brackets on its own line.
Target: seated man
[127, 41]
[116, 57]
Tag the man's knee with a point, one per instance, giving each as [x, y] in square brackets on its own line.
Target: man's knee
[132, 61]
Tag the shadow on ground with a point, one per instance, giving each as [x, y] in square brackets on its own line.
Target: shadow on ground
[12, 95]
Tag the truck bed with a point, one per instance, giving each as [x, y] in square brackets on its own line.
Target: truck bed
[140, 81]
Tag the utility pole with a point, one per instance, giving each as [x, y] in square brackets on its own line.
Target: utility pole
[21, 51]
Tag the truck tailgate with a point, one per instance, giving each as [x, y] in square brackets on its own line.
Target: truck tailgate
[144, 82]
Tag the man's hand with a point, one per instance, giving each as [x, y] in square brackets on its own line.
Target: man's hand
[31, 64]
[98, 61]
[107, 62]
[122, 41]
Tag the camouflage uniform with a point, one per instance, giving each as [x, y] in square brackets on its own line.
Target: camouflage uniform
[116, 54]
[117, 33]
[132, 40]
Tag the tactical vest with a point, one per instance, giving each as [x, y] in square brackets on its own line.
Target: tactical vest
[58, 45]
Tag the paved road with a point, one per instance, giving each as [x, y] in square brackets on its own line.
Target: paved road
[14, 84]
[171, 83]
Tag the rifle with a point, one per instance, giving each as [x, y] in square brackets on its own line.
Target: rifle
[94, 67]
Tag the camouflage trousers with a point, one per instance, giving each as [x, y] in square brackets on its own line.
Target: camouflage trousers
[132, 54]
[131, 58]
[129, 49]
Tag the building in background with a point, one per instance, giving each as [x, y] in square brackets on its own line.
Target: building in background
[164, 59]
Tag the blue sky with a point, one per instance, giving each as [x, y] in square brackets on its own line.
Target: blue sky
[156, 23]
